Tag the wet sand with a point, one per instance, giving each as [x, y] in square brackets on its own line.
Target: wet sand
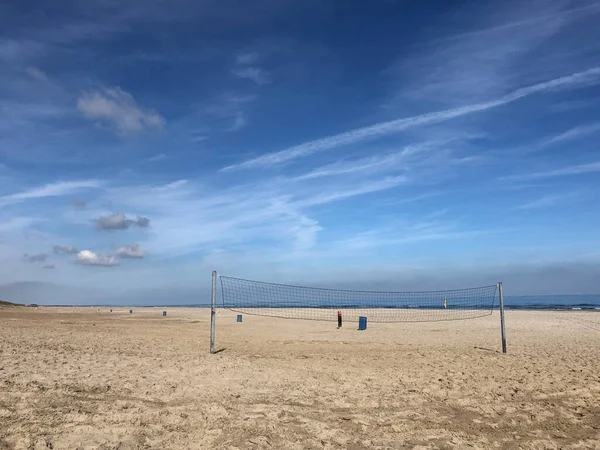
[82, 378]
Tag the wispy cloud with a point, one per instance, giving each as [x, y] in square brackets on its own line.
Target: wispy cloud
[360, 134]
[36, 73]
[388, 161]
[57, 189]
[410, 233]
[479, 63]
[575, 133]
[12, 50]
[547, 201]
[239, 122]
[565, 171]
[189, 216]
[255, 74]
[247, 58]
[229, 108]
[17, 224]
[411, 157]
[157, 158]
[247, 69]
[411, 199]
[366, 188]
[119, 108]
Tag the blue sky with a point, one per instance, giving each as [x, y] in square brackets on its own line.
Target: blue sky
[395, 144]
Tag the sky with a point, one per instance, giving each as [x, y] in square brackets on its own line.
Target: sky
[384, 145]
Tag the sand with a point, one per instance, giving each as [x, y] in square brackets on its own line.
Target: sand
[82, 378]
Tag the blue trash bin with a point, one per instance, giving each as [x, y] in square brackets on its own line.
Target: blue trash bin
[164, 314]
[131, 311]
[239, 318]
[362, 323]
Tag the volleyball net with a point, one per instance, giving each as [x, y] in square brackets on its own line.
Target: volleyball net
[301, 302]
[313, 303]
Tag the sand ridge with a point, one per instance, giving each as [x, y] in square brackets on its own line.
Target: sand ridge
[90, 379]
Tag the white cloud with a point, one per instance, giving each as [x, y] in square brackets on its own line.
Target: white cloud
[255, 74]
[90, 258]
[131, 251]
[394, 126]
[189, 216]
[119, 108]
[57, 189]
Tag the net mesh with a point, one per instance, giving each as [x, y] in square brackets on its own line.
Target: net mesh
[299, 302]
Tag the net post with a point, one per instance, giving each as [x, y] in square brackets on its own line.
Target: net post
[213, 302]
[503, 329]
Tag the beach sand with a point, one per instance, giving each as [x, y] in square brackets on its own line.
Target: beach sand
[82, 378]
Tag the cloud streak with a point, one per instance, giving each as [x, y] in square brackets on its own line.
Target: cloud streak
[575, 133]
[58, 189]
[565, 171]
[394, 126]
[546, 201]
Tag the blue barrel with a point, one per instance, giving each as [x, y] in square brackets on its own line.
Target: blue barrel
[111, 310]
[362, 323]
[239, 318]
[164, 314]
[131, 311]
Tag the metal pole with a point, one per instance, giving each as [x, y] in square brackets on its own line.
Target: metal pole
[500, 293]
[213, 302]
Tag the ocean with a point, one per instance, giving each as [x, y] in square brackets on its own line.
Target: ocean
[553, 302]
[530, 302]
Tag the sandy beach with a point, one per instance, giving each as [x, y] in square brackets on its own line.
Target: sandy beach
[83, 378]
